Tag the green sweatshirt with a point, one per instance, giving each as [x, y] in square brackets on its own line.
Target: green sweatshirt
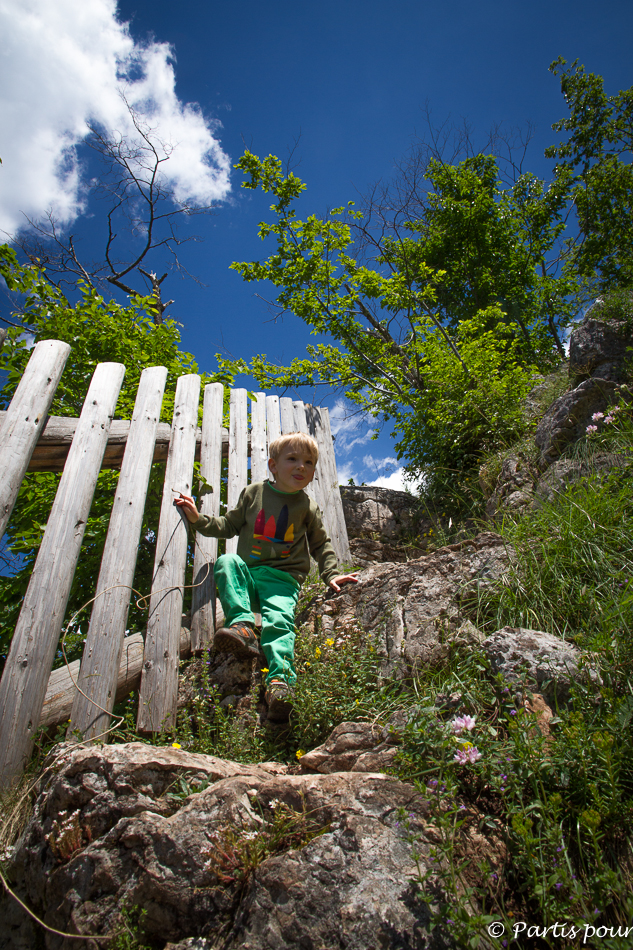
[278, 529]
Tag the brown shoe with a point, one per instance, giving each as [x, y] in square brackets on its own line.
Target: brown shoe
[240, 640]
[279, 698]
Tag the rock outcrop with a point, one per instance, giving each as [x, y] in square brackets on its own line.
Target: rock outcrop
[602, 344]
[600, 366]
[255, 859]
[384, 525]
[540, 660]
[414, 611]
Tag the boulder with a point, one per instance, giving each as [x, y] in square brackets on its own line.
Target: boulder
[357, 747]
[567, 418]
[416, 611]
[538, 659]
[379, 520]
[254, 860]
[602, 344]
[514, 488]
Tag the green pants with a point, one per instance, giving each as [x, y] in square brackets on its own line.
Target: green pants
[270, 592]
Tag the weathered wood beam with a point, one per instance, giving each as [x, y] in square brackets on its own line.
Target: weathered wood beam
[61, 689]
[52, 447]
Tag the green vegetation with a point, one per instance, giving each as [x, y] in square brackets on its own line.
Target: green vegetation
[440, 299]
[97, 332]
[338, 681]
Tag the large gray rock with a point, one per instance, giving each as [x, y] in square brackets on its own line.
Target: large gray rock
[567, 418]
[539, 659]
[383, 525]
[186, 862]
[415, 611]
[371, 511]
[601, 346]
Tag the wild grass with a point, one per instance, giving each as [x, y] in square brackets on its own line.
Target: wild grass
[558, 797]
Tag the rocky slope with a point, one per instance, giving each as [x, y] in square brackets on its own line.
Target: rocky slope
[222, 855]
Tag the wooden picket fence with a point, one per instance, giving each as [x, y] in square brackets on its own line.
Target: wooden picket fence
[32, 441]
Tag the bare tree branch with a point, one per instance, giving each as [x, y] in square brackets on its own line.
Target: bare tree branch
[141, 219]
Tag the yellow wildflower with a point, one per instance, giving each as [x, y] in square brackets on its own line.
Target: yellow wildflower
[265, 669]
[176, 745]
[299, 753]
[329, 643]
[317, 652]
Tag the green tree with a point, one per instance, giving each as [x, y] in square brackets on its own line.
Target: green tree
[595, 168]
[437, 303]
[410, 348]
[97, 332]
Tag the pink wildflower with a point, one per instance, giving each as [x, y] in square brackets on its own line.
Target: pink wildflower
[591, 429]
[597, 416]
[467, 755]
[608, 419]
[462, 723]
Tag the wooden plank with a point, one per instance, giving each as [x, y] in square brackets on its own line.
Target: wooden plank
[238, 458]
[259, 447]
[206, 549]
[287, 415]
[25, 418]
[301, 425]
[159, 682]
[273, 421]
[104, 642]
[343, 551]
[37, 632]
[328, 483]
[61, 689]
[51, 451]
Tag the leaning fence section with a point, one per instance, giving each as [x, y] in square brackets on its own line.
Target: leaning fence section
[31, 440]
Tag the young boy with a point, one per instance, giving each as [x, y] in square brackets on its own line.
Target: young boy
[279, 527]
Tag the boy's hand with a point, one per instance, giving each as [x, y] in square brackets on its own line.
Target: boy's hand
[188, 505]
[343, 579]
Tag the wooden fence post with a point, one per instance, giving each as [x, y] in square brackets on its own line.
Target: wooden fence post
[36, 636]
[25, 419]
[101, 658]
[238, 456]
[203, 593]
[159, 683]
[259, 447]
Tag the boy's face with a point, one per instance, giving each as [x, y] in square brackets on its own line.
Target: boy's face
[293, 470]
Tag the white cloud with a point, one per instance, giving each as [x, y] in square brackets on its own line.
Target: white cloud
[350, 426]
[64, 64]
[389, 462]
[397, 481]
[345, 472]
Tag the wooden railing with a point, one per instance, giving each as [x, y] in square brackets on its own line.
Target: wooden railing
[29, 440]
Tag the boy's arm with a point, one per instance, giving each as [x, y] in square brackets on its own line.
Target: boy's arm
[324, 554]
[224, 526]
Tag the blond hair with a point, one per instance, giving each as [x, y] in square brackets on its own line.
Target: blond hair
[294, 440]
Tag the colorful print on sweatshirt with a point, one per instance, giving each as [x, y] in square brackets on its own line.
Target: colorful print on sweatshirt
[275, 532]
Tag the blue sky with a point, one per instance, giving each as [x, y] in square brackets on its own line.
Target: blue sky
[350, 78]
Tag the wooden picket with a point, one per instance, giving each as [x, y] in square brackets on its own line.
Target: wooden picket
[159, 682]
[95, 697]
[23, 423]
[37, 632]
[30, 440]
[206, 549]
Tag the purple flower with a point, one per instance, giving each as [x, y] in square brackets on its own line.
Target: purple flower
[558, 886]
[513, 712]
